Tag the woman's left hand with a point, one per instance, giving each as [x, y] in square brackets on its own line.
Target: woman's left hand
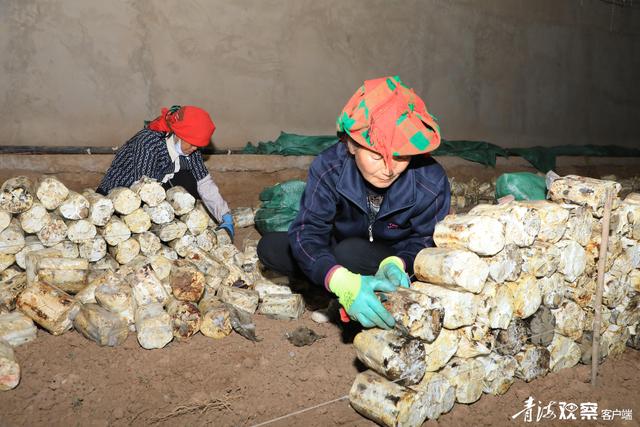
[392, 269]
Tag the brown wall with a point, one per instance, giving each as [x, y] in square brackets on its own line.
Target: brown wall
[512, 72]
[241, 178]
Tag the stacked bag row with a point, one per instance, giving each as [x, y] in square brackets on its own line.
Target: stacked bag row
[508, 293]
[467, 194]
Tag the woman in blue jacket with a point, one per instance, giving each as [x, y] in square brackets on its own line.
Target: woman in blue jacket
[371, 202]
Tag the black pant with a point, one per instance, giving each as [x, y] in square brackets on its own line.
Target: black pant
[356, 254]
[184, 178]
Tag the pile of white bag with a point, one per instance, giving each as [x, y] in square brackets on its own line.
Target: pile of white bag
[140, 259]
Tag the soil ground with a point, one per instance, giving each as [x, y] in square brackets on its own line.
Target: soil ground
[70, 381]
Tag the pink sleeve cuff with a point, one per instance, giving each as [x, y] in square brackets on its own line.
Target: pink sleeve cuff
[327, 278]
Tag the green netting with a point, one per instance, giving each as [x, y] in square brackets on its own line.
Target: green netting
[280, 205]
[542, 158]
[522, 185]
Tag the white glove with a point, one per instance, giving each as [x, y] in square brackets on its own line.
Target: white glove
[210, 195]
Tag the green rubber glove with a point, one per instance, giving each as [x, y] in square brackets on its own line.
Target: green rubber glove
[356, 293]
[392, 269]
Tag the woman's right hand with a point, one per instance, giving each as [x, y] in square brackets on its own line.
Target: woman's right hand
[356, 293]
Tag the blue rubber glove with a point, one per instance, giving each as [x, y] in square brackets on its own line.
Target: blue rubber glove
[356, 294]
[392, 269]
[227, 224]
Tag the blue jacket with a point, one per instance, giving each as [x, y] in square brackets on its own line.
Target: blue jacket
[334, 207]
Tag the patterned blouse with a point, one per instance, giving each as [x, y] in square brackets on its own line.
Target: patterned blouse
[146, 154]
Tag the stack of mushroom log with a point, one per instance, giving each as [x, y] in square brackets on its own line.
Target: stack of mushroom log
[140, 259]
[629, 184]
[508, 293]
[466, 195]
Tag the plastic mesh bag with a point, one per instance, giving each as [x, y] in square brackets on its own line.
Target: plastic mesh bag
[280, 205]
[522, 185]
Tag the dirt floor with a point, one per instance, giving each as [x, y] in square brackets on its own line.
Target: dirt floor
[69, 381]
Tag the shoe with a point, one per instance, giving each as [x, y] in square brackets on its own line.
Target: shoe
[320, 316]
[328, 314]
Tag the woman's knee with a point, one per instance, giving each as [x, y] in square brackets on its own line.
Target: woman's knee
[273, 249]
[271, 242]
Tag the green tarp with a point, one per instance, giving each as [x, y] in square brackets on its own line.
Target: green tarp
[290, 144]
[541, 158]
[474, 151]
[544, 158]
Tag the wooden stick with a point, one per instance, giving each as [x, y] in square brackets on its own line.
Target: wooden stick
[602, 260]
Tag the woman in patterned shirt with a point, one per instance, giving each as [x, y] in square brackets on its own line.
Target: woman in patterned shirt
[166, 149]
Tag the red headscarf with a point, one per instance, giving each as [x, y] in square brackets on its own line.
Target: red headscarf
[189, 123]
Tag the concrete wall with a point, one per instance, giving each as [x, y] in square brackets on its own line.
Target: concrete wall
[512, 72]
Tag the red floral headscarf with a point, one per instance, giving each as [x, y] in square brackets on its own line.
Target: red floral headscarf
[387, 117]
